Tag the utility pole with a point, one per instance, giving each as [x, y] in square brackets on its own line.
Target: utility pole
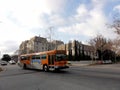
[50, 34]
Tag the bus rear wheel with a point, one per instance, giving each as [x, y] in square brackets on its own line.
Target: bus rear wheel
[45, 68]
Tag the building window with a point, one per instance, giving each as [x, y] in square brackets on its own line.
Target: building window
[42, 48]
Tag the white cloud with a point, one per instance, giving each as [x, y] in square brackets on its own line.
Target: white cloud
[117, 8]
[55, 6]
[54, 20]
[88, 22]
[19, 17]
[82, 10]
[28, 12]
[99, 3]
[8, 46]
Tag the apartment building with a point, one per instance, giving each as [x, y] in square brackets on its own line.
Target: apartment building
[56, 43]
[23, 47]
[78, 51]
[71, 46]
[89, 51]
[38, 44]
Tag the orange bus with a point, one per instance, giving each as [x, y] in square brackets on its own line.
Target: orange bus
[47, 60]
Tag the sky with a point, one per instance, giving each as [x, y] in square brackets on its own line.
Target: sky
[79, 20]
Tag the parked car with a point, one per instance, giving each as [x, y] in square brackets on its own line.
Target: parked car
[12, 62]
[3, 63]
[69, 63]
[107, 62]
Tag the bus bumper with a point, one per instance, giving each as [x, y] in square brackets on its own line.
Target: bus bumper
[61, 67]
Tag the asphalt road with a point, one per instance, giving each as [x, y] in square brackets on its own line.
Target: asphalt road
[74, 78]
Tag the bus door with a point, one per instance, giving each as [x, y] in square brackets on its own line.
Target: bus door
[51, 59]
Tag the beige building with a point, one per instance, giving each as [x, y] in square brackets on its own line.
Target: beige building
[23, 47]
[56, 43]
[38, 44]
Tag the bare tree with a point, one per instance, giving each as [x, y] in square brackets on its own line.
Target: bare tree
[116, 26]
[116, 23]
[100, 44]
[116, 47]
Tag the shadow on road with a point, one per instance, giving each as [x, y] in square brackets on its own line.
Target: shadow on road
[13, 73]
[55, 71]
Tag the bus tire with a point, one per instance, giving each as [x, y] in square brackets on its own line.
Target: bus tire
[57, 70]
[24, 66]
[45, 68]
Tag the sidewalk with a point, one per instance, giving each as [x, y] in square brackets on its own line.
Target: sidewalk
[80, 63]
[107, 66]
[91, 65]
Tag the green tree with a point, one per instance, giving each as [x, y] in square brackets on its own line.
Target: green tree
[6, 57]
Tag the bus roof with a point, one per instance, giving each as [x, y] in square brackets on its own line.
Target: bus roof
[46, 52]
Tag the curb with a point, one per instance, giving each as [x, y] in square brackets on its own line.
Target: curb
[2, 69]
[80, 64]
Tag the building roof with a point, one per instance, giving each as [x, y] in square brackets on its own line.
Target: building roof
[39, 39]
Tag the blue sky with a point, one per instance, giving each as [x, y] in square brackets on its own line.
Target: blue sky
[71, 19]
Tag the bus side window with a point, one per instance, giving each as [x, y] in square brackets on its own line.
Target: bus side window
[33, 57]
[43, 56]
[37, 57]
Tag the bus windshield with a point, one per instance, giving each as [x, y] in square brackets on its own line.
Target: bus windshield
[24, 58]
[60, 57]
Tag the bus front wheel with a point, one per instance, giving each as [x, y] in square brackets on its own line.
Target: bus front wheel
[45, 68]
[24, 66]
